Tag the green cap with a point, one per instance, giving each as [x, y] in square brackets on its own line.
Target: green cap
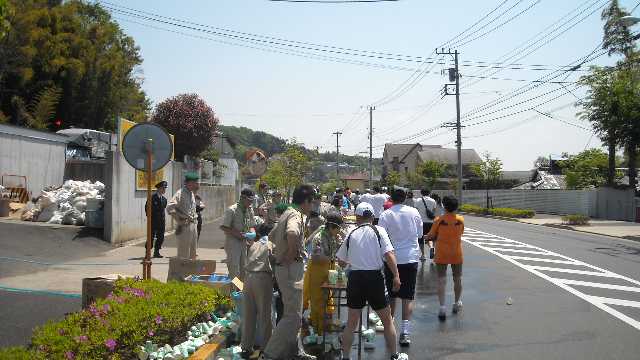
[191, 176]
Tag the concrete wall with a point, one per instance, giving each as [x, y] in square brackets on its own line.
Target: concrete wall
[602, 203]
[125, 218]
[38, 158]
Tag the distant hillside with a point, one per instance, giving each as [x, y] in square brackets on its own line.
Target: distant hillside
[242, 139]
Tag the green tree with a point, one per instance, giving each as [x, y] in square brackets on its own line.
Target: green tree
[431, 171]
[489, 171]
[393, 178]
[39, 113]
[76, 47]
[587, 169]
[288, 170]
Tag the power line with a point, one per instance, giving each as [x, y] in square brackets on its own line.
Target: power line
[461, 44]
[333, 1]
[416, 77]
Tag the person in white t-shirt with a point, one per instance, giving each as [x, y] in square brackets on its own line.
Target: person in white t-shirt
[427, 208]
[377, 200]
[364, 252]
[404, 226]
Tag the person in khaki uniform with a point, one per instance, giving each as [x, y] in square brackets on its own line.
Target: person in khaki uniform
[182, 207]
[288, 237]
[238, 225]
[257, 293]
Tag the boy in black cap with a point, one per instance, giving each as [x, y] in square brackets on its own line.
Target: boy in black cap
[158, 217]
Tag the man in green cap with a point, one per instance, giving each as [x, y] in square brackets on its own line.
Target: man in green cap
[239, 227]
[183, 209]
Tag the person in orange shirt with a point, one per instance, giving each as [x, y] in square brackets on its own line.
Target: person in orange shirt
[447, 233]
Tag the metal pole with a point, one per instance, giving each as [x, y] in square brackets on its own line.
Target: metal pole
[458, 129]
[337, 134]
[371, 108]
[146, 263]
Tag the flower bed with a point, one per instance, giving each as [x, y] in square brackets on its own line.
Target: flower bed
[134, 313]
[503, 212]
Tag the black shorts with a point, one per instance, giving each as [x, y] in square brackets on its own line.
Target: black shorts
[426, 227]
[408, 274]
[366, 286]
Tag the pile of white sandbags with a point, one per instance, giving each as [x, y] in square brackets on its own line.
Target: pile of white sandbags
[67, 204]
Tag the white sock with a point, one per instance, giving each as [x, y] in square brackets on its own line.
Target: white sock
[443, 308]
[405, 327]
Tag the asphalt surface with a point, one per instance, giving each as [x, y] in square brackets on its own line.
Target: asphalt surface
[545, 321]
[39, 247]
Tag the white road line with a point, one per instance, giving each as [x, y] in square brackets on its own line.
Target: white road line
[599, 302]
[612, 301]
[568, 262]
[599, 285]
[490, 239]
[503, 244]
[573, 271]
[517, 251]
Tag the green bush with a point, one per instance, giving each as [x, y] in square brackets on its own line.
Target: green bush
[576, 219]
[512, 213]
[473, 209]
[134, 312]
[503, 212]
[18, 353]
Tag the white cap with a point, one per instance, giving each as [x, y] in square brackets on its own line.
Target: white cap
[362, 208]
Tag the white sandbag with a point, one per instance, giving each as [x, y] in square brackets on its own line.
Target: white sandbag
[98, 186]
[45, 214]
[46, 199]
[80, 203]
[56, 218]
[73, 217]
[65, 207]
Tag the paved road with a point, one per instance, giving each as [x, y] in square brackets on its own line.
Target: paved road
[555, 314]
[545, 320]
[43, 248]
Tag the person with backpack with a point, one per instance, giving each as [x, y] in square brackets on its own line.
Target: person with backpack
[404, 226]
[426, 207]
[448, 228]
[364, 251]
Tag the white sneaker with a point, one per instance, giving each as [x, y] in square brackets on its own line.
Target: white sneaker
[457, 307]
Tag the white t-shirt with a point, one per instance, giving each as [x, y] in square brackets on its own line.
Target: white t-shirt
[365, 253]
[431, 205]
[366, 198]
[404, 226]
[377, 201]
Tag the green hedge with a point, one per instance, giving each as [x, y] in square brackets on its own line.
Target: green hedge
[576, 219]
[503, 212]
[136, 311]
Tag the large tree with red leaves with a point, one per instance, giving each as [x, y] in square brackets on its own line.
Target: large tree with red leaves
[190, 120]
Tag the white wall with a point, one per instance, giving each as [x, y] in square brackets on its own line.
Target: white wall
[125, 217]
[601, 203]
[42, 161]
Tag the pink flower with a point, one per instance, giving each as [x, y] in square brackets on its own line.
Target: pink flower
[150, 332]
[120, 300]
[61, 332]
[110, 344]
[106, 308]
[158, 319]
[69, 355]
[94, 311]
[82, 338]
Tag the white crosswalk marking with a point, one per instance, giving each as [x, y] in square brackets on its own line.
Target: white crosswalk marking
[510, 250]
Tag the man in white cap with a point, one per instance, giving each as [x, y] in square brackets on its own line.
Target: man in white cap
[364, 251]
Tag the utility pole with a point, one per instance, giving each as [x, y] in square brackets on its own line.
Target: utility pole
[337, 134]
[454, 76]
[371, 108]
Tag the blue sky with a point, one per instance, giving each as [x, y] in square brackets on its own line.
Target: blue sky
[292, 96]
